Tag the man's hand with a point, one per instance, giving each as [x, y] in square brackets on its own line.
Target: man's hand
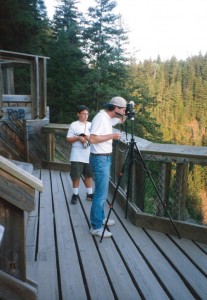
[117, 135]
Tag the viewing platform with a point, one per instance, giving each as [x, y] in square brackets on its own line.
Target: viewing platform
[67, 262]
[46, 249]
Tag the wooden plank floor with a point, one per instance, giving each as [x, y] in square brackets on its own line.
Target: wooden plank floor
[68, 263]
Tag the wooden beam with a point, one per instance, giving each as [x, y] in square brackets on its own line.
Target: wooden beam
[1, 90]
[16, 192]
[43, 88]
[55, 126]
[22, 175]
[15, 289]
[10, 80]
[56, 166]
[51, 146]
[1, 233]
[186, 230]
[163, 188]
[16, 98]
[180, 187]
[17, 56]
[12, 258]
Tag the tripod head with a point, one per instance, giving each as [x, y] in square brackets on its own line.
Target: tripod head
[130, 113]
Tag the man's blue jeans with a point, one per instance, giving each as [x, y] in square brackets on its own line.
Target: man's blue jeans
[101, 172]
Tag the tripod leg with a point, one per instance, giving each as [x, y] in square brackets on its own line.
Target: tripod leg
[129, 183]
[116, 190]
[152, 181]
[128, 187]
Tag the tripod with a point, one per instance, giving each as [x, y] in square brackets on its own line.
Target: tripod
[129, 156]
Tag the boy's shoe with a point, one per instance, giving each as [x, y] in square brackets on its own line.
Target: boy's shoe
[74, 199]
[99, 232]
[109, 223]
[89, 197]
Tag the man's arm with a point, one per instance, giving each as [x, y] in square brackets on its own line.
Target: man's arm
[96, 139]
[76, 138]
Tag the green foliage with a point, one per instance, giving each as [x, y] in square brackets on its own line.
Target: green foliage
[104, 46]
[179, 89]
[145, 125]
[88, 65]
[23, 26]
[67, 69]
[196, 186]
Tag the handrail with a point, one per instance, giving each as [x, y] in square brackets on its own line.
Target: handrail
[170, 165]
[21, 174]
[17, 196]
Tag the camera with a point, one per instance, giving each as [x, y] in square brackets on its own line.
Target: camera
[130, 113]
[86, 144]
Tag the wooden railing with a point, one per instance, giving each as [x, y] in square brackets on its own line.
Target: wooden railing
[171, 168]
[56, 140]
[33, 103]
[17, 190]
[169, 165]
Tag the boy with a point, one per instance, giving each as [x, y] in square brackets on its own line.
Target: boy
[78, 135]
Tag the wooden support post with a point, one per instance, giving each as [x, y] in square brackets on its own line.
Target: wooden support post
[15, 289]
[51, 146]
[10, 80]
[26, 141]
[43, 87]
[1, 90]
[163, 188]
[138, 184]
[12, 258]
[37, 80]
[35, 87]
[180, 191]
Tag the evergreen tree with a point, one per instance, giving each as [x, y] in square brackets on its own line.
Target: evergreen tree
[66, 68]
[42, 42]
[180, 92]
[105, 39]
[23, 26]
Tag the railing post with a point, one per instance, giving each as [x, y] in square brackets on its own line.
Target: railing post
[1, 90]
[43, 87]
[51, 146]
[163, 187]
[26, 140]
[180, 191]
[13, 250]
[138, 184]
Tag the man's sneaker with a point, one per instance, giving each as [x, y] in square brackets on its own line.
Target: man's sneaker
[74, 199]
[99, 232]
[89, 197]
[109, 223]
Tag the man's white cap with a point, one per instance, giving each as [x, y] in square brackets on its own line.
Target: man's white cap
[117, 101]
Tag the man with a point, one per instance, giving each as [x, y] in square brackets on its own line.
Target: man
[100, 159]
[78, 136]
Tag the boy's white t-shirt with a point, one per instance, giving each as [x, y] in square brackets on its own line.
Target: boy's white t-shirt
[78, 152]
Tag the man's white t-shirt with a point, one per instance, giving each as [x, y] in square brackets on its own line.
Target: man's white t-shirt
[78, 152]
[101, 125]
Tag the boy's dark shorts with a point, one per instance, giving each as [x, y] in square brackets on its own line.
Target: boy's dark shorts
[79, 168]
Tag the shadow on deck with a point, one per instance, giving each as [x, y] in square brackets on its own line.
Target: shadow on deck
[68, 263]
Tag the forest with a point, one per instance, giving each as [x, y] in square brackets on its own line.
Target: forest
[89, 63]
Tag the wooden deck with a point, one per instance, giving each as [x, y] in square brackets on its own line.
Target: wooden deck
[68, 263]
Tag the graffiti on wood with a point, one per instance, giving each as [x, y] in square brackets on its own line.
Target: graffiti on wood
[16, 114]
